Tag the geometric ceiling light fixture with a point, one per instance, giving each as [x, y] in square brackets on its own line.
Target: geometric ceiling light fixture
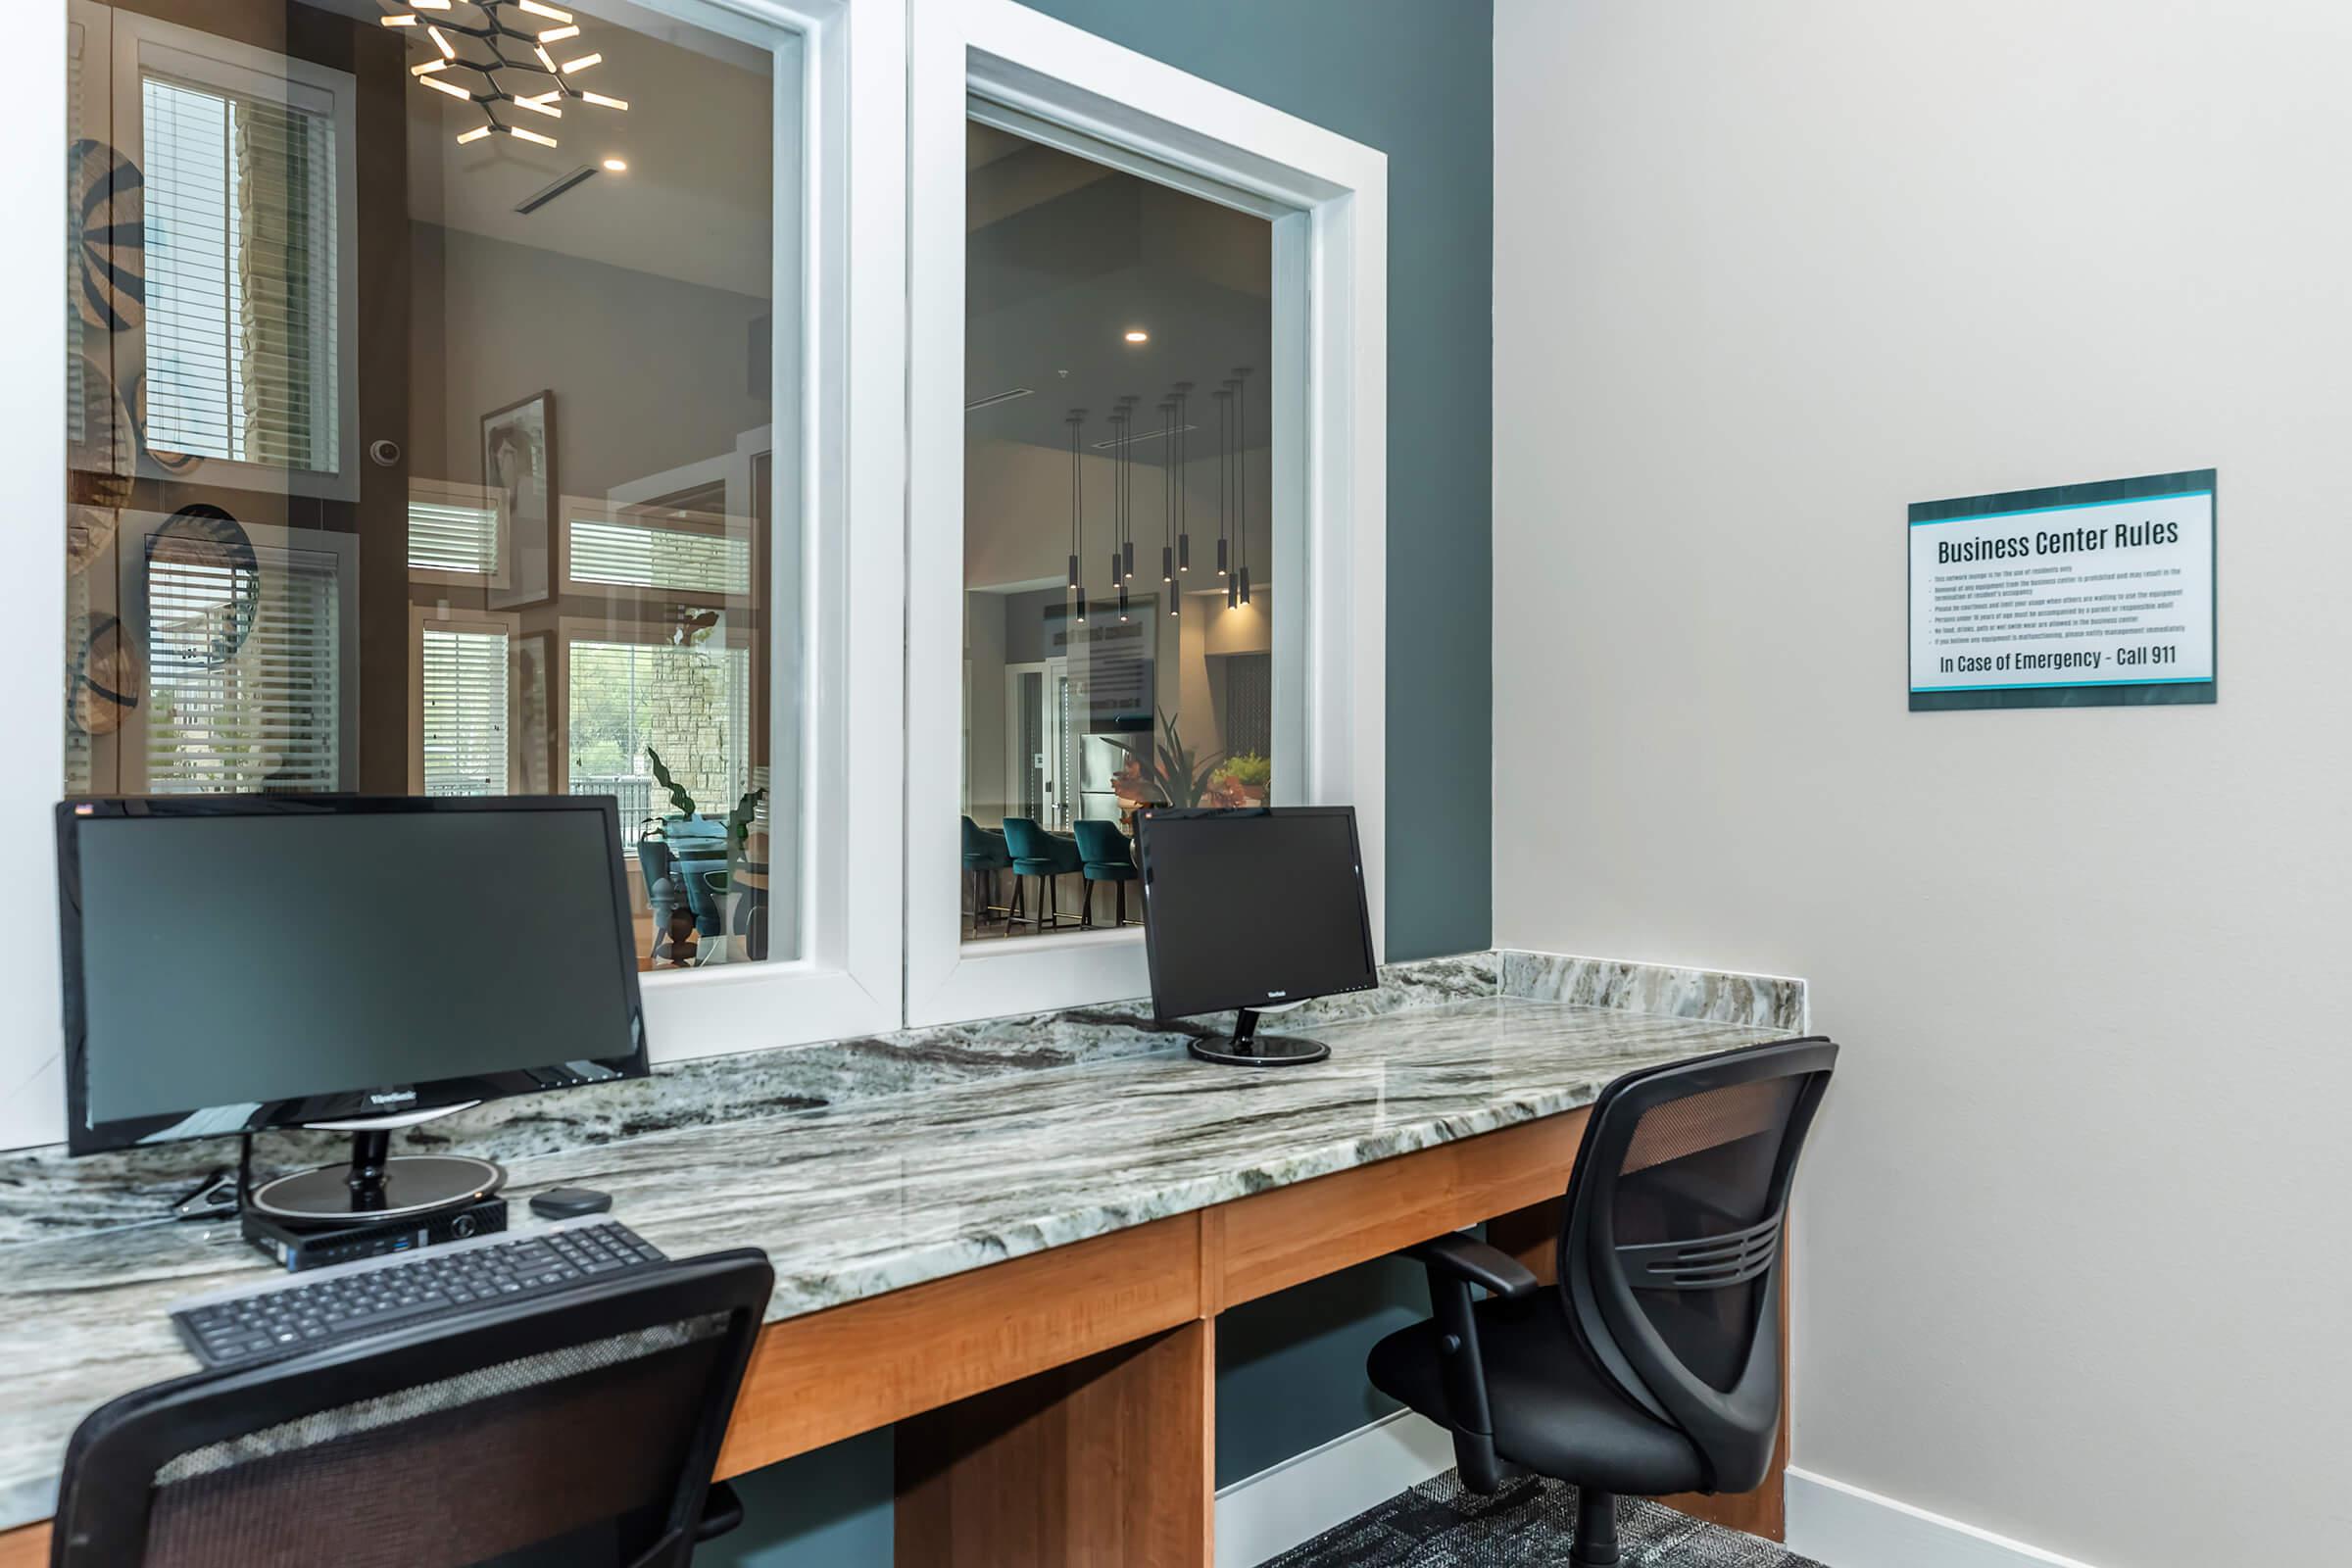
[507, 59]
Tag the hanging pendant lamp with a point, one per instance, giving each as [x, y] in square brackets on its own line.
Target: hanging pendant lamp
[1240, 483]
[1077, 421]
[1184, 451]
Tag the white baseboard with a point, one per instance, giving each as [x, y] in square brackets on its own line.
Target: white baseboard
[1263, 1515]
[1843, 1526]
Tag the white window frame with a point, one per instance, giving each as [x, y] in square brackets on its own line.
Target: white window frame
[839, 693]
[226, 65]
[507, 624]
[846, 472]
[1331, 454]
[33, 600]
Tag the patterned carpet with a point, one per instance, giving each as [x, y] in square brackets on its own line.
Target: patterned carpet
[1529, 1524]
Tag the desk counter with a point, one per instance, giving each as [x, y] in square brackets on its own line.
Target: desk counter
[855, 1200]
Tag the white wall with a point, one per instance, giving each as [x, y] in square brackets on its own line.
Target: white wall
[1764, 274]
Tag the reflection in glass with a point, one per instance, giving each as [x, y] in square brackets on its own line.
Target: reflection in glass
[420, 427]
[1116, 483]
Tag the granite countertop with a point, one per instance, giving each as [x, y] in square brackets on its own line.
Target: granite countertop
[853, 1200]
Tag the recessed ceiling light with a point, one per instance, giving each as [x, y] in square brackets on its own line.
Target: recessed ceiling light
[1136, 334]
[616, 166]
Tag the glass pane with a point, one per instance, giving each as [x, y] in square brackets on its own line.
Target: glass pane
[423, 426]
[1117, 523]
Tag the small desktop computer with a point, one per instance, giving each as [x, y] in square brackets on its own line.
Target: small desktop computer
[1253, 912]
[238, 963]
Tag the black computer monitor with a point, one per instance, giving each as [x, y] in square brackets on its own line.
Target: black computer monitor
[240, 962]
[1253, 910]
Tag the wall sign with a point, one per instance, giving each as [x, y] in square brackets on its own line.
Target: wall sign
[2077, 595]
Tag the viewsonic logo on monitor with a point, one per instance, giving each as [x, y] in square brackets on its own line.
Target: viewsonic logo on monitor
[1278, 992]
[398, 1097]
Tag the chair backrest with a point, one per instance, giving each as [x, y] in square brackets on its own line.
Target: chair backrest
[578, 1430]
[1102, 842]
[1670, 1258]
[1028, 841]
[983, 848]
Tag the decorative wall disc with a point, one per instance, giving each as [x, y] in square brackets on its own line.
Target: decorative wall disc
[88, 531]
[110, 202]
[203, 535]
[99, 440]
[175, 464]
[104, 682]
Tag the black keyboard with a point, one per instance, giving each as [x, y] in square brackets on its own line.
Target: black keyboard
[235, 1328]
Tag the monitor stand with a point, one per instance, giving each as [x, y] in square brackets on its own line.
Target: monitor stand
[374, 1186]
[1246, 1047]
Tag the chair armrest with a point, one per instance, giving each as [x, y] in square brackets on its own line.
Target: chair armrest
[1455, 1263]
[1465, 1257]
[722, 1511]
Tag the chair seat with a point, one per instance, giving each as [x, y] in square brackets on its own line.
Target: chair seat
[1554, 1412]
[1111, 871]
[1026, 868]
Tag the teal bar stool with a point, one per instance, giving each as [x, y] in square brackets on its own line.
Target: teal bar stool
[1106, 857]
[983, 855]
[1040, 854]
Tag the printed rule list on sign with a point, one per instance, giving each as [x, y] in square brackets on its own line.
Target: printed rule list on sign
[2101, 593]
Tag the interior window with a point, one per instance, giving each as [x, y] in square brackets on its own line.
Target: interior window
[1117, 523]
[423, 422]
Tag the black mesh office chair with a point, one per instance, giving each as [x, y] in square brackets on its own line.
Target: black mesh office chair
[578, 1430]
[1654, 1365]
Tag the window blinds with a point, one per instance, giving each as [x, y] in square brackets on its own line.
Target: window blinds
[446, 537]
[637, 554]
[233, 714]
[241, 265]
[464, 695]
[692, 703]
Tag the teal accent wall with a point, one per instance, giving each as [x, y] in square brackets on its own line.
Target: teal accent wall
[1415, 80]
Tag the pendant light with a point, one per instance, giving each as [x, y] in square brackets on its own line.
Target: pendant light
[1127, 534]
[1167, 496]
[1223, 397]
[1241, 482]
[1118, 502]
[1077, 423]
[1184, 451]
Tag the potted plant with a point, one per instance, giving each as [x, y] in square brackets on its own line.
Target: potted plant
[688, 856]
[1166, 773]
[1248, 777]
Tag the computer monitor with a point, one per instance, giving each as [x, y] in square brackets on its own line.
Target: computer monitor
[1256, 911]
[240, 962]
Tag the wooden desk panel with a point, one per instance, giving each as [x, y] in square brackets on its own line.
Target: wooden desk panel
[1061, 1406]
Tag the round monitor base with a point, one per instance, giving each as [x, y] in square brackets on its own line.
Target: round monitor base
[414, 1184]
[1261, 1050]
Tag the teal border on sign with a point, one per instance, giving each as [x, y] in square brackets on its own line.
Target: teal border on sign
[2072, 694]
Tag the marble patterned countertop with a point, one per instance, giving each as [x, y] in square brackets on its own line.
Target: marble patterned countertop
[853, 1197]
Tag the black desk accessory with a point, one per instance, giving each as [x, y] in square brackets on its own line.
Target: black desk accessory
[259, 1323]
[569, 1202]
[298, 1248]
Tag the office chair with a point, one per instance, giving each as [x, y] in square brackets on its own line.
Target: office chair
[1048, 857]
[983, 855]
[1105, 856]
[1653, 1365]
[578, 1429]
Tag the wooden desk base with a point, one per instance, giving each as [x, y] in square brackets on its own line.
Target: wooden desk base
[1061, 1408]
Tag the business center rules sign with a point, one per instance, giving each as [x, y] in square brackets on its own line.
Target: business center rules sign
[2077, 595]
